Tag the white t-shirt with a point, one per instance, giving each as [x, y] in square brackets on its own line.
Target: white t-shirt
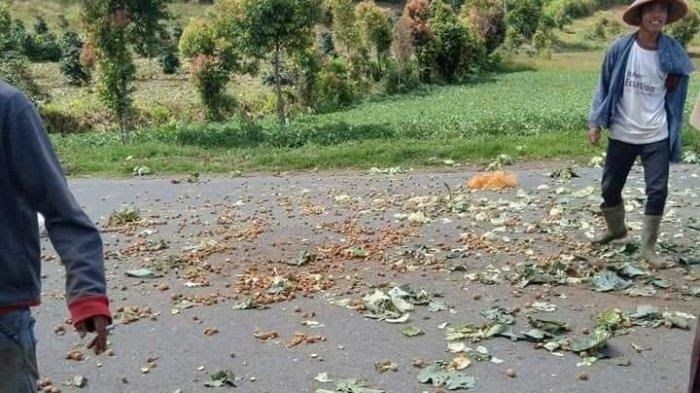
[641, 112]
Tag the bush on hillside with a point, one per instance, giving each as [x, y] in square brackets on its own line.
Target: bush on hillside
[565, 11]
[335, 88]
[686, 29]
[417, 13]
[542, 40]
[487, 19]
[42, 45]
[70, 65]
[604, 30]
[14, 67]
[400, 77]
[210, 67]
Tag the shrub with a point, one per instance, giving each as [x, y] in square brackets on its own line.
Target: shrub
[400, 77]
[210, 76]
[542, 41]
[306, 67]
[14, 69]
[514, 40]
[42, 45]
[375, 27]
[422, 37]
[169, 62]
[402, 43]
[70, 64]
[604, 29]
[210, 68]
[487, 19]
[686, 29]
[326, 43]
[334, 86]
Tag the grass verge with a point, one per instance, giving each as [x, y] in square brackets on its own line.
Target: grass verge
[116, 160]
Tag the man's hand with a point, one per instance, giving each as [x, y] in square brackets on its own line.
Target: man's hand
[98, 325]
[594, 135]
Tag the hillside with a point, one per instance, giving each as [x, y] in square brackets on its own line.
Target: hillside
[53, 10]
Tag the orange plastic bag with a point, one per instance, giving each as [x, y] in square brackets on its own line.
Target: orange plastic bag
[497, 180]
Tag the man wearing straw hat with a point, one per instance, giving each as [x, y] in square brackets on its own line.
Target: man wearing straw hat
[640, 99]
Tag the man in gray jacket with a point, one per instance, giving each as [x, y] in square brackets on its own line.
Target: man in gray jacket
[31, 182]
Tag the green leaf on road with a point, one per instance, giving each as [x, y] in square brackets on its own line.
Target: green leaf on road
[498, 315]
[595, 341]
[221, 378]
[437, 376]
[355, 386]
[412, 331]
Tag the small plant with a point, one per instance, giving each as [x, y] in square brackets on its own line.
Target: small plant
[124, 215]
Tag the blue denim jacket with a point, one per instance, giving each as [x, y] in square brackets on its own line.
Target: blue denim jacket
[674, 61]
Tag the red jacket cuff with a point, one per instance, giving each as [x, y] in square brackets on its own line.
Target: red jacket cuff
[87, 307]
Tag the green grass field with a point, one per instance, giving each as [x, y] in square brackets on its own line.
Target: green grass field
[537, 114]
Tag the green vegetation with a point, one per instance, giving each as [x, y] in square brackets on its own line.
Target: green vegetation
[415, 84]
[541, 114]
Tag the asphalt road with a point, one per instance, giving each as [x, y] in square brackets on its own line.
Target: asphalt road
[252, 223]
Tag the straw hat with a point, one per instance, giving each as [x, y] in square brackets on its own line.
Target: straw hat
[633, 14]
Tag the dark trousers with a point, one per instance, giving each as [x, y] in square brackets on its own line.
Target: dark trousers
[18, 369]
[656, 159]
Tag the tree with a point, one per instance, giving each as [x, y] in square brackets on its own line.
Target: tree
[542, 41]
[345, 25]
[422, 36]
[524, 16]
[279, 27]
[8, 38]
[375, 27]
[114, 28]
[150, 35]
[402, 43]
[451, 40]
